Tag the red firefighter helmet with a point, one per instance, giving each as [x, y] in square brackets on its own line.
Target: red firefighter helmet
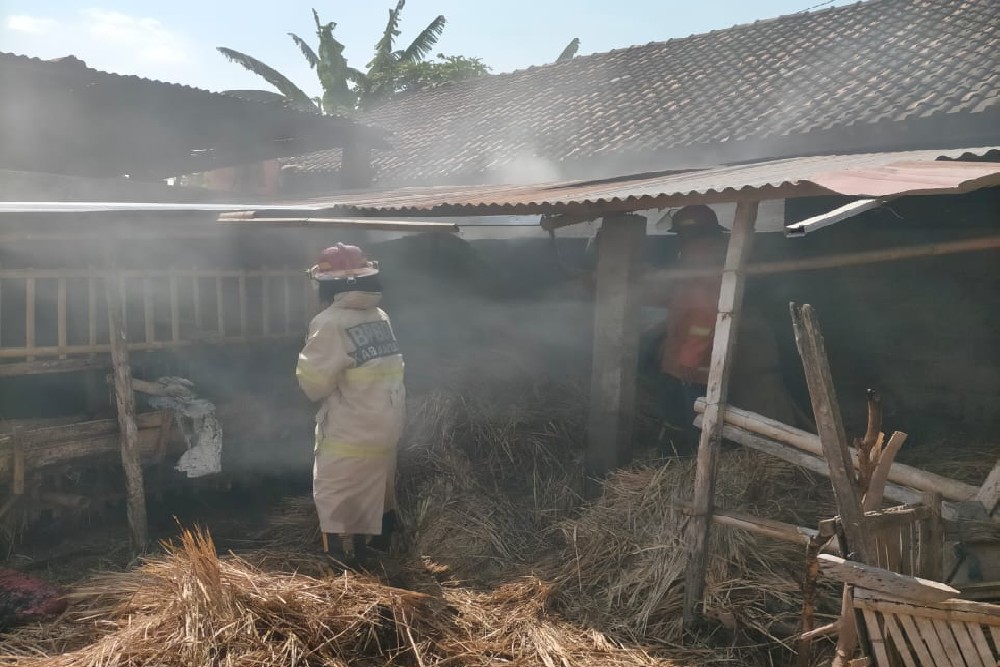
[340, 262]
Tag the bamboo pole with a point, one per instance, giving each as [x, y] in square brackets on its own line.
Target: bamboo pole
[125, 400]
[899, 473]
[727, 325]
[655, 279]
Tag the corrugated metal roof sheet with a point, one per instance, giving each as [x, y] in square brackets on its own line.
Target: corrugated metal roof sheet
[863, 175]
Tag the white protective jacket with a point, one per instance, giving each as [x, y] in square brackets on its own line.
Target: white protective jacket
[351, 362]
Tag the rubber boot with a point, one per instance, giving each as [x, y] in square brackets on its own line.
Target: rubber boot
[383, 541]
[364, 558]
[333, 548]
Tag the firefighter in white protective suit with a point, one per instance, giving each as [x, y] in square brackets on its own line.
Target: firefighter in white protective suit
[352, 366]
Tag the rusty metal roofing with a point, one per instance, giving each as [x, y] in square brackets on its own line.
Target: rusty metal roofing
[63, 117]
[863, 175]
[858, 71]
[866, 175]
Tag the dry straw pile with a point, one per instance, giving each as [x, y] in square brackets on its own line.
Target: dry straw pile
[190, 608]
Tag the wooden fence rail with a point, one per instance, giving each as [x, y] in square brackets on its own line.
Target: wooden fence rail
[248, 306]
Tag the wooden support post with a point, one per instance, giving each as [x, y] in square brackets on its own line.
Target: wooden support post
[616, 343]
[29, 317]
[17, 483]
[812, 349]
[125, 400]
[61, 316]
[727, 323]
[148, 314]
[989, 492]
[826, 410]
[175, 316]
[265, 306]
[196, 300]
[288, 304]
[220, 308]
[930, 540]
[92, 311]
[243, 304]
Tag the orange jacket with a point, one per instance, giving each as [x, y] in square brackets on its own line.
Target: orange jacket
[692, 310]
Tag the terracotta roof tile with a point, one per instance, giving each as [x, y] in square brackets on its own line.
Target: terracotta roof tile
[849, 66]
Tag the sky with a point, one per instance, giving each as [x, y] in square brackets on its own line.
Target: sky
[175, 41]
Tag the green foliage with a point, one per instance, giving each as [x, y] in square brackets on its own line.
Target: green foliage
[390, 71]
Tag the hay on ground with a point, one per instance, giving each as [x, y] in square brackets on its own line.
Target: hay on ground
[193, 609]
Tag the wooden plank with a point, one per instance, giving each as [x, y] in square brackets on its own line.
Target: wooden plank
[92, 310]
[196, 302]
[916, 640]
[148, 317]
[726, 328]
[17, 482]
[878, 579]
[900, 473]
[995, 633]
[929, 634]
[125, 402]
[175, 315]
[615, 347]
[876, 640]
[982, 646]
[883, 469]
[778, 530]
[288, 304]
[220, 309]
[826, 410]
[799, 458]
[29, 317]
[931, 540]
[265, 306]
[61, 315]
[954, 609]
[243, 304]
[20, 352]
[943, 629]
[50, 366]
[960, 631]
[898, 640]
[989, 492]
[357, 223]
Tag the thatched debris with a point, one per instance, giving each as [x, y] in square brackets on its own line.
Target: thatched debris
[190, 608]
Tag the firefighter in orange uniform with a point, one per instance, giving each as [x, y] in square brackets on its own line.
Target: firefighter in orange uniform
[692, 307]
